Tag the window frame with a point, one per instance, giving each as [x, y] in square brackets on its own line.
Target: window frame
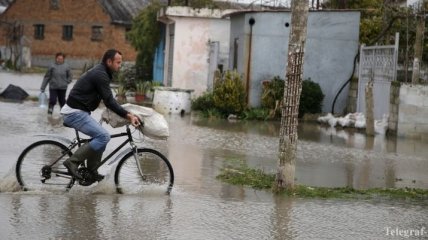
[97, 33]
[39, 31]
[54, 4]
[127, 38]
[67, 32]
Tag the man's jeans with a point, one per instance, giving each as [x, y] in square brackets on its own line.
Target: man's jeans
[83, 122]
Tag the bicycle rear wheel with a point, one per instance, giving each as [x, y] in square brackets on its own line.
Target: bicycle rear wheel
[40, 167]
[151, 170]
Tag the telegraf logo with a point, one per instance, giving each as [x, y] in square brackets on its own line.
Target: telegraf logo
[406, 233]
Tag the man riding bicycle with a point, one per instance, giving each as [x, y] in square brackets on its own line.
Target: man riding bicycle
[85, 97]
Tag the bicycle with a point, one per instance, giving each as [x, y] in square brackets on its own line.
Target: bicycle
[39, 166]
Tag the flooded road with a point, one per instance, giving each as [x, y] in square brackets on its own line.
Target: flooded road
[200, 206]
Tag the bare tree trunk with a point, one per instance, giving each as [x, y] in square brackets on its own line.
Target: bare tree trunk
[420, 28]
[385, 16]
[15, 32]
[291, 99]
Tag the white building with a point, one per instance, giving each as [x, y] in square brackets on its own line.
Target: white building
[196, 44]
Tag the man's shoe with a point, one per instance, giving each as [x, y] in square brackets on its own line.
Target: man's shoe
[92, 164]
[72, 169]
[50, 110]
[98, 177]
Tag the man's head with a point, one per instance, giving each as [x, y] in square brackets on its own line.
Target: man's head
[112, 59]
[59, 58]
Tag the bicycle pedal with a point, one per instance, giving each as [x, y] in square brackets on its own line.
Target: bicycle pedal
[88, 177]
[86, 182]
[46, 176]
[98, 177]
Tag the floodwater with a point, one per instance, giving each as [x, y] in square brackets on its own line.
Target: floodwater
[202, 207]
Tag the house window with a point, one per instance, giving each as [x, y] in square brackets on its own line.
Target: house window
[54, 4]
[67, 32]
[39, 31]
[127, 38]
[97, 33]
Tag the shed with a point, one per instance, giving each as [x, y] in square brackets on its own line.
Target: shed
[259, 51]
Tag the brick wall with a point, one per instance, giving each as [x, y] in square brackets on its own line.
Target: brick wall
[82, 15]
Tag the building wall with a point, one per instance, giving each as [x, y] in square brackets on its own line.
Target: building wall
[332, 43]
[413, 111]
[81, 14]
[191, 50]
[394, 104]
[351, 106]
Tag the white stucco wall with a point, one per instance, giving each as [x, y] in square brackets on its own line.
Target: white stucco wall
[413, 112]
[191, 50]
[192, 35]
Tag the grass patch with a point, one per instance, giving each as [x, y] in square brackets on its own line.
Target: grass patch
[210, 113]
[34, 70]
[237, 173]
[254, 178]
[32, 98]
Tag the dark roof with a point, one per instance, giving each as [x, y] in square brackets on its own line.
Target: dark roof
[5, 3]
[122, 11]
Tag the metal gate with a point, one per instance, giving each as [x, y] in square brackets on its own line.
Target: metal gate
[379, 63]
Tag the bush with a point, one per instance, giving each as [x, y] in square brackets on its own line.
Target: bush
[311, 98]
[272, 91]
[229, 95]
[256, 114]
[9, 64]
[203, 102]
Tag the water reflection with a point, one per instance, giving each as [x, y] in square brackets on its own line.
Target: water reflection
[326, 156]
[202, 207]
[282, 219]
[198, 147]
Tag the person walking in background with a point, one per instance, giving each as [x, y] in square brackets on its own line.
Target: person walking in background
[58, 77]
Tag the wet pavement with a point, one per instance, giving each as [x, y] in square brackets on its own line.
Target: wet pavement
[200, 206]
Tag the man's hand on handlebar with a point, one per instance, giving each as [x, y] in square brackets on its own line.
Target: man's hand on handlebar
[135, 121]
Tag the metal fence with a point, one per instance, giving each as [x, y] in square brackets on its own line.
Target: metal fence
[380, 64]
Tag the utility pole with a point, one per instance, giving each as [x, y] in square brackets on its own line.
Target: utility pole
[419, 40]
[291, 98]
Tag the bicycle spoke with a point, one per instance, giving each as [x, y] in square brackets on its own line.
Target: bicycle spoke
[38, 167]
[155, 172]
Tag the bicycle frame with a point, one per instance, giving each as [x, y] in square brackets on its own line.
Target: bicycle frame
[79, 141]
[48, 154]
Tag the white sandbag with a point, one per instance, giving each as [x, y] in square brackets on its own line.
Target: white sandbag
[155, 125]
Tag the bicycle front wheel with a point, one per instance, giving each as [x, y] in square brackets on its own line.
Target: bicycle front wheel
[40, 167]
[149, 170]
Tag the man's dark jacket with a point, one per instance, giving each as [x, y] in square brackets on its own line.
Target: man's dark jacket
[93, 87]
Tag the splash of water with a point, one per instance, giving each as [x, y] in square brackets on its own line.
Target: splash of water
[9, 183]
